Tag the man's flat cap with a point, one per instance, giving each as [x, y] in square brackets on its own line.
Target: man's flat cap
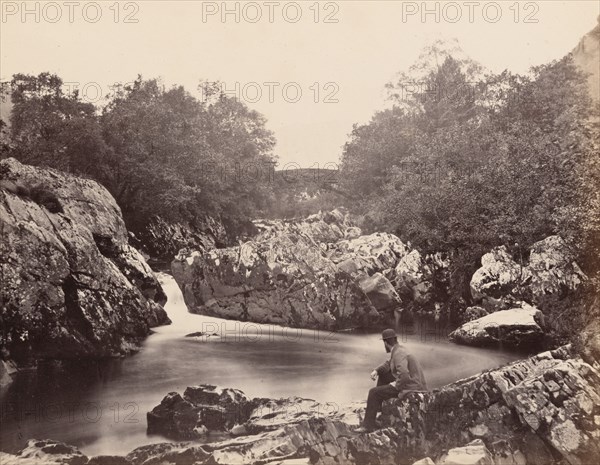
[388, 334]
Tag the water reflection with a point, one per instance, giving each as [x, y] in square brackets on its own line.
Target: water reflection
[101, 406]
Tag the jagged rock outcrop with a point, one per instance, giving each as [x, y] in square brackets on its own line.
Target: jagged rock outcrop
[542, 408]
[517, 327]
[498, 276]
[551, 271]
[202, 409]
[207, 408]
[589, 338]
[282, 276]
[305, 273]
[72, 287]
[416, 275]
[365, 255]
[162, 239]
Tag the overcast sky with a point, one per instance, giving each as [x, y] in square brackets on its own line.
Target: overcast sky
[183, 42]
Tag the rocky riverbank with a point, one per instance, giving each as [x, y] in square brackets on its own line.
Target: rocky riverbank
[72, 286]
[322, 272]
[543, 409]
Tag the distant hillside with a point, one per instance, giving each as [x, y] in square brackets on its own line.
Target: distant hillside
[587, 57]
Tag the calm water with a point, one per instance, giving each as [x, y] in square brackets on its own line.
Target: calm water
[101, 407]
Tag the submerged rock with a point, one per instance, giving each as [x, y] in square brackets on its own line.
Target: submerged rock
[72, 286]
[517, 327]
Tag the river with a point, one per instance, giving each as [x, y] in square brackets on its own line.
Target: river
[101, 407]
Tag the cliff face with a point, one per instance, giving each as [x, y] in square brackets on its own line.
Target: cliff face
[72, 287]
[587, 58]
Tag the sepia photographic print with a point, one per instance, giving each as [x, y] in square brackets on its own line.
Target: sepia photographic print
[299, 232]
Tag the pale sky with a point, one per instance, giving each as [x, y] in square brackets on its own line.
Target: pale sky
[357, 55]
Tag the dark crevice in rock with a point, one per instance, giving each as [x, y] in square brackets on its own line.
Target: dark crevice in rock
[105, 245]
[75, 316]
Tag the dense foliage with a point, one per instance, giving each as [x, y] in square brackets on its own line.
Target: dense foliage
[463, 163]
[158, 151]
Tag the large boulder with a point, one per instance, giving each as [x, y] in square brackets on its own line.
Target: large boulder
[311, 273]
[414, 277]
[282, 276]
[498, 276]
[202, 409]
[72, 287]
[517, 327]
[553, 269]
[550, 272]
[380, 291]
[207, 408]
[365, 255]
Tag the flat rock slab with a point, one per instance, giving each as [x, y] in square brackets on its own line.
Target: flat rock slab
[517, 327]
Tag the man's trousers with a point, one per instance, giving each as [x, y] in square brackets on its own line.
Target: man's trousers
[377, 395]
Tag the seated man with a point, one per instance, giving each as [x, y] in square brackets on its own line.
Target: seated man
[401, 372]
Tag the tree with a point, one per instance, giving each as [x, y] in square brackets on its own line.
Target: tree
[160, 152]
[506, 160]
[54, 128]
